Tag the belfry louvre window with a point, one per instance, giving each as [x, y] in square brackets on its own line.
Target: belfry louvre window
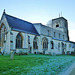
[45, 43]
[57, 25]
[19, 41]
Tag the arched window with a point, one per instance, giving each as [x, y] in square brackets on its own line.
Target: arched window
[52, 45]
[58, 46]
[28, 39]
[35, 43]
[45, 43]
[19, 41]
[65, 46]
[3, 35]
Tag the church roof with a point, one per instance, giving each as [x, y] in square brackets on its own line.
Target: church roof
[73, 46]
[21, 25]
[59, 18]
[60, 39]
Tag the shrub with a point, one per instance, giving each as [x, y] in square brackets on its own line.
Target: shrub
[39, 53]
[68, 52]
[72, 53]
[21, 53]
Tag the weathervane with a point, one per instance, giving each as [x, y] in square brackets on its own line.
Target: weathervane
[60, 14]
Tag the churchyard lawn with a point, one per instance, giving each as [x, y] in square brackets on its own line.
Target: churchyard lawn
[34, 64]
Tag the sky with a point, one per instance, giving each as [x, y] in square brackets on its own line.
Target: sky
[41, 11]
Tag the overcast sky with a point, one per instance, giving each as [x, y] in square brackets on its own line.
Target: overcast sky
[41, 11]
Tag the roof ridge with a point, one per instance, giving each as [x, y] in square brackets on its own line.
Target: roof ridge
[59, 18]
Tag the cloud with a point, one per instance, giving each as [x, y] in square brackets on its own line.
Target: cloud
[71, 28]
[71, 25]
[72, 35]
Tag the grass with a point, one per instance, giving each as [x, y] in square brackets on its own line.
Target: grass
[34, 64]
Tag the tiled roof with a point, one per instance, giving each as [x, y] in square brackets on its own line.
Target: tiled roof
[21, 25]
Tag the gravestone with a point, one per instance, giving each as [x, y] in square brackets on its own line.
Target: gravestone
[12, 55]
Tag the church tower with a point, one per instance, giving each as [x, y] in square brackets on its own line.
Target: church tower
[60, 24]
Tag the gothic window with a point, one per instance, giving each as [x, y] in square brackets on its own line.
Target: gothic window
[11, 36]
[28, 39]
[19, 41]
[52, 45]
[3, 35]
[45, 43]
[35, 45]
[58, 46]
[65, 46]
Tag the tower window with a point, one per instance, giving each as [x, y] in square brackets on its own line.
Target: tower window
[48, 32]
[58, 46]
[57, 25]
[54, 34]
[59, 35]
[63, 36]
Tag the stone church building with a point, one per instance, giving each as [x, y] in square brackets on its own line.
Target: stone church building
[34, 38]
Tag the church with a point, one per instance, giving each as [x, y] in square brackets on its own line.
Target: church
[21, 36]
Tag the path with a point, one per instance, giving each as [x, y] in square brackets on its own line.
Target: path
[69, 71]
[72, 72]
